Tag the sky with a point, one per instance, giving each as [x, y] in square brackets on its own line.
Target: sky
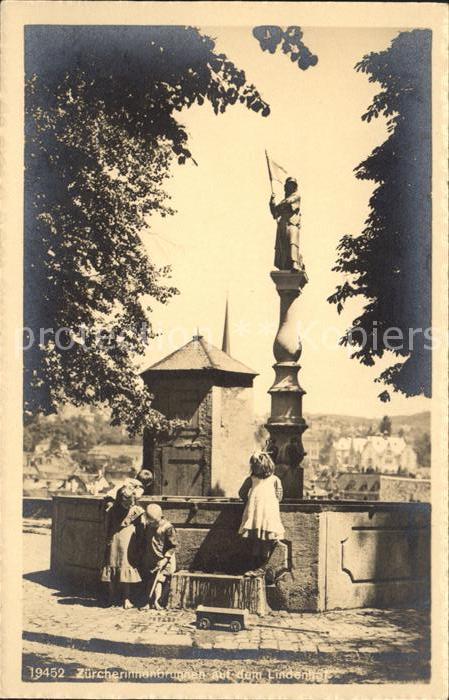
[221, 240]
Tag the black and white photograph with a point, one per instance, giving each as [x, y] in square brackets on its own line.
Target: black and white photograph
[231, 336]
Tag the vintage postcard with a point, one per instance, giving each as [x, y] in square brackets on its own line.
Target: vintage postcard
[224, 334]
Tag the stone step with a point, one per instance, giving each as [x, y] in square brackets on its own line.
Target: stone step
[191, 588]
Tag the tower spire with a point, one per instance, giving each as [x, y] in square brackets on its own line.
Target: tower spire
[226, 344]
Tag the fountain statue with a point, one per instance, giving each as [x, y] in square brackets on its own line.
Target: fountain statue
[286, 424]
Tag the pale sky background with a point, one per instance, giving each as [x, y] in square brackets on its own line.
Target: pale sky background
[222, 236]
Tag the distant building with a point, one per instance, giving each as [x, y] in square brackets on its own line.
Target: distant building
[315, 492]
[46, 447]
[391, 455]
[82, 482]
[32, 480]
[112, 457]
[357, 486]
[53, 480]
[42, 447]
[313, 442]
[46, 470]
[387, 455]
[354, 486]
[49, 469]
[339, 456]
[75, 483]
[117, 475]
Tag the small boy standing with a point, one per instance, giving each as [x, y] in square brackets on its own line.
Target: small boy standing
[159, 560]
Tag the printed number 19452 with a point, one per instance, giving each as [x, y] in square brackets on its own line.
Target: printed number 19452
[37, 672]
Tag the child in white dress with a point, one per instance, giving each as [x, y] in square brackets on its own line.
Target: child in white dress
[261, 521]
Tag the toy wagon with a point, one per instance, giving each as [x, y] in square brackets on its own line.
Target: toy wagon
[235, 619]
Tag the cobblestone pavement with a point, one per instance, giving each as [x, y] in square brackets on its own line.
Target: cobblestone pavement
[69, 636]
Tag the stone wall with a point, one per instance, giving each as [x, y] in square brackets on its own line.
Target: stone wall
[398, 488]
[339, 555]
[379, 557]
[233, 438]
[301, 588]
[205, 426]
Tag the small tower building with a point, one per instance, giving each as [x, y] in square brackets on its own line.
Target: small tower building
[213, 392]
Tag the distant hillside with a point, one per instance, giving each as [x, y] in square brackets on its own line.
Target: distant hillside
[418, 422]
[82, 429]
[415, 428]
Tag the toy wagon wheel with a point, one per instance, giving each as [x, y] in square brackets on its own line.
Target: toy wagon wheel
[204, 623]
[236, 626]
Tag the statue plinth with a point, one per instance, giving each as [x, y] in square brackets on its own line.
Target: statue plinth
[286, 424]
[289, 279]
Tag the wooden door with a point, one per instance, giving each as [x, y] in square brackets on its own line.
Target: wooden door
[182, 471]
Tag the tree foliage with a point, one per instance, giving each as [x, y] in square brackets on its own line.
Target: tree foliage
[422, 447]
[385, 426]
[77, 431]
[102, 131]
[271, 37]
[389, 263]
[326, 449]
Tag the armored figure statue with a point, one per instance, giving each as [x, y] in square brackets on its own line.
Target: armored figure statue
[288, 216]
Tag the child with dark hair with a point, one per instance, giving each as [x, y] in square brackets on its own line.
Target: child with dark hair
[122, 546]
[261, 521]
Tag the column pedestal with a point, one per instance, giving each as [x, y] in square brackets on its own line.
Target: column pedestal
[286, 424]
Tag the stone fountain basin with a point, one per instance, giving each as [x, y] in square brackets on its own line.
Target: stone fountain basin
[339, 554]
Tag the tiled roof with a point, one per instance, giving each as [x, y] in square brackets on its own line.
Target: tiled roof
[357, 481]
[197, 354]
[52, 475]
[58, 468]
[30, 469]
[85, 477]
[109, 450]
[381, 444]
[396, 444]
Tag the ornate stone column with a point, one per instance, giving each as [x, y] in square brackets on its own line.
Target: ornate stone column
[286, 424]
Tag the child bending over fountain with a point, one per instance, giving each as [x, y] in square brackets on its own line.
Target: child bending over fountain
[261, 521]
[122, 548]
[159, 560]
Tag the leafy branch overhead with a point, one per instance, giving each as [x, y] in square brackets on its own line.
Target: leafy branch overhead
[389, 262]
[270, 38]
[103, 108]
